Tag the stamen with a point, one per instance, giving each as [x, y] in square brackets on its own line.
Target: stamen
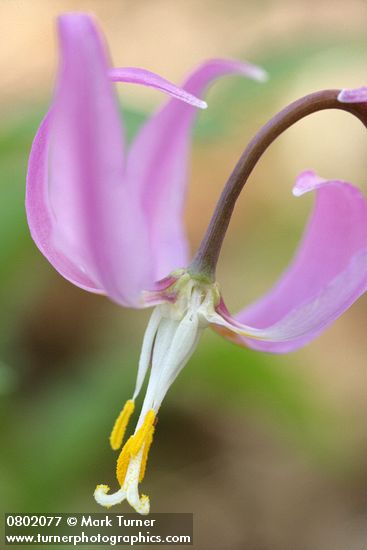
[119, 428]
[146, 449]
[123, 461]
[146, 351]
[143, 437]
[142, 433]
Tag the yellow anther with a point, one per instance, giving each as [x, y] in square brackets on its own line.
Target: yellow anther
[147, 445]
[144, 436]
[118, 431]
[123, 461]
[142, 433]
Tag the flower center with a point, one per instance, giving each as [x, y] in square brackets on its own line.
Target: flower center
[170, 339]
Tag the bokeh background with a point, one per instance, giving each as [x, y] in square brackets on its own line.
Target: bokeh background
[269, 452]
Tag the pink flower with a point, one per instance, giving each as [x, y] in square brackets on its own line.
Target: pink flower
[111, 222]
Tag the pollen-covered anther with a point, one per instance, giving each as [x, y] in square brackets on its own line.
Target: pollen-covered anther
[119, 428]
[140, 441]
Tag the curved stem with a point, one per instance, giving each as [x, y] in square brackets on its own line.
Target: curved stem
[206, 258]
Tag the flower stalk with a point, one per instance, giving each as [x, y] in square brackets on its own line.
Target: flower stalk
[206, 258]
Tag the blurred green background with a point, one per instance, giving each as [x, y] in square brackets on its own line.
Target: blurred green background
[269, 452]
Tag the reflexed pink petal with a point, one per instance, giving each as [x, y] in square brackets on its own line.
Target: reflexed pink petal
[158, 160]
[359, 95]
[328, 274]
[133, 75]
[94, 221]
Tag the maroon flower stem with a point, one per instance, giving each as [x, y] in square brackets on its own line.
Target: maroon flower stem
[205, 260]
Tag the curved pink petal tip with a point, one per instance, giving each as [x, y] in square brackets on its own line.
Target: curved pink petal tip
[358, 95]
[133, 75]
[307, 181]
[161, 180]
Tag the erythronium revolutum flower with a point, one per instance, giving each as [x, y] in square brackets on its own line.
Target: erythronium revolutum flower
[112, 224]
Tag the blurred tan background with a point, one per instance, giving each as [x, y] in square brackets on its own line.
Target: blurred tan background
[269, 452]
